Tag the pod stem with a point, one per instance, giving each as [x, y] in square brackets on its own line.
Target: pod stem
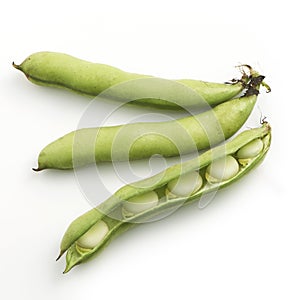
[266, 86]
[255, 79]
[253, 86]
[243, 80]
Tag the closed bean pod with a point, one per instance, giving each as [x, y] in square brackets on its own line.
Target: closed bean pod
[142, 140]
[159, 183]
[65, 71]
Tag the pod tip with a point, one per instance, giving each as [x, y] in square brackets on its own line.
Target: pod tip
[37, 169]
[60, 255]
[67, 269]
[18, 67]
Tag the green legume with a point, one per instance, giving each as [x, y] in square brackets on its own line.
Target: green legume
[201, 164]
[64, 71]
[142, 140]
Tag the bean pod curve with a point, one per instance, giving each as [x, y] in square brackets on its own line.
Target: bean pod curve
[166, 191]
[65, 71]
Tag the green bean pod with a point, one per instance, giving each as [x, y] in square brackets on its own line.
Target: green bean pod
[110, 215]
[65, 71]
[142, 140]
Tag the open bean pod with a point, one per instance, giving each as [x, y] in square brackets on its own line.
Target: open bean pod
[163, 193]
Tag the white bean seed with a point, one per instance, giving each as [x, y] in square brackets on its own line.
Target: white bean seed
[140, 203]
[222, 169]
[250, 150]
[186, 184]
[93, 236]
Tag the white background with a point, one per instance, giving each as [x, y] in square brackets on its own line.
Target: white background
[244, 245]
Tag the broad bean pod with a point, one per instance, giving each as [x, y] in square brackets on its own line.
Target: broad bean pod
[93, 231]
[65, 71]
[142, 140]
